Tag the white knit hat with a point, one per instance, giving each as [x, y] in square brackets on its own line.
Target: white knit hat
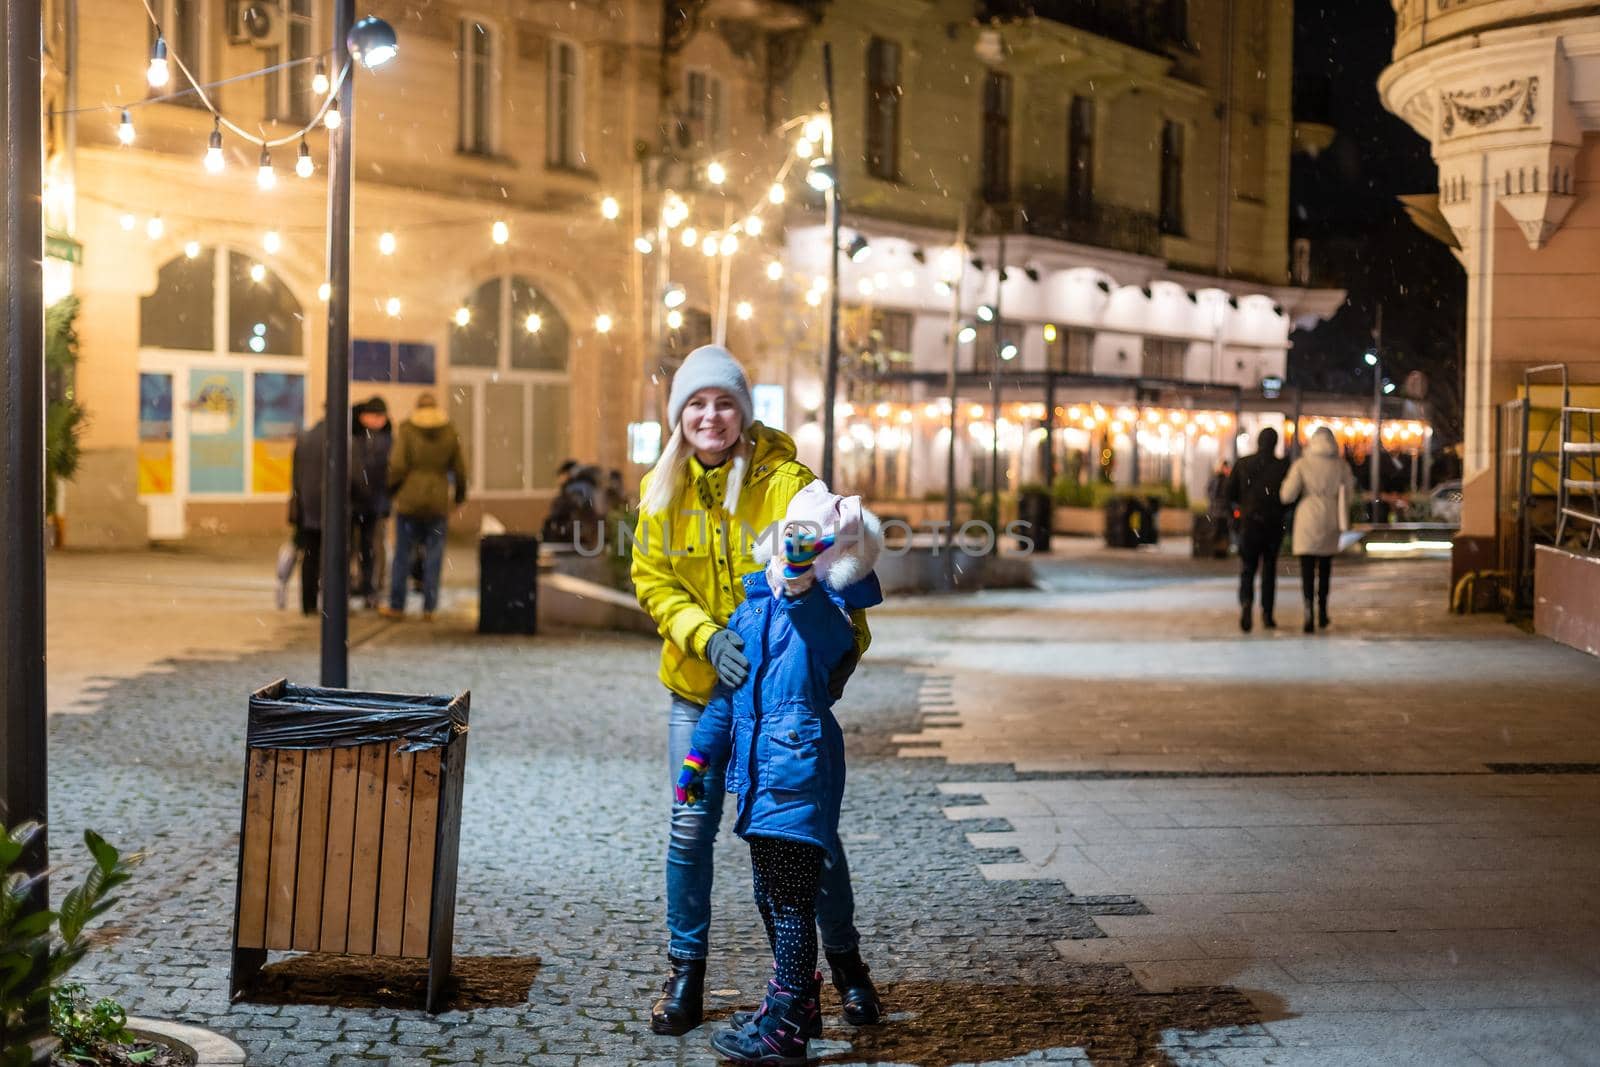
[710, 367]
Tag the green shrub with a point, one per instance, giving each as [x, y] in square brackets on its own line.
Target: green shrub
[85, 1029]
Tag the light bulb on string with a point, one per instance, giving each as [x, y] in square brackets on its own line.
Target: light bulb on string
[643, 245]
[266, 177]
[272, 242]
[533, 323]
[609, 208]
[128, 222]
[158, 73]
[155, 228]
[814, 297]
[319, 80]
[302, 164]
[603, 323]
[258, 273]
[753, 225]
[331, 117]
[125, 128]
[716, 173]
[691, 237]
[674, 296]
[776, 194]
[214, 161]
[730, 245]
[192, 250]
[324, 291]
[463, 316]
[708, 247]
[803, 148]
[775, 271]
[816, 128]
[386, 243]
[500, 232]
[744, 311]
[392, 306]
[674, 319]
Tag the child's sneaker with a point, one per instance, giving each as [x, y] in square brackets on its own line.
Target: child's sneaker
[776, 1036]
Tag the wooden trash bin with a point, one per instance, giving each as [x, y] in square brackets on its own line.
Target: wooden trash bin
[350, 828]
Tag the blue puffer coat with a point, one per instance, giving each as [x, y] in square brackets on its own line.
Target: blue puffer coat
[776, 733]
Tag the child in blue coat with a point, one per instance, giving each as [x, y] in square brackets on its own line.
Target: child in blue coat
[784, 750]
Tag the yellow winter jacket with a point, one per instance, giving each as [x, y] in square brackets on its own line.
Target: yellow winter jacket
[687, 563]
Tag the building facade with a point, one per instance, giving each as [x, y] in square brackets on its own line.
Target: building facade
[555, 202]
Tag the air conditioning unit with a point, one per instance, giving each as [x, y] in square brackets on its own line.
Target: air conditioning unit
[256, 22]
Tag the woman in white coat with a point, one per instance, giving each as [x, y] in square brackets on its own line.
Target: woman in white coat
[1321, 481]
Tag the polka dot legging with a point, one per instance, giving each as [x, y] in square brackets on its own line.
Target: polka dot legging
[787, 875]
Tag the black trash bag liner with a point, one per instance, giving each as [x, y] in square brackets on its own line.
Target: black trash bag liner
[306, 717]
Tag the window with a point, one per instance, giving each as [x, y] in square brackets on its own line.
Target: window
[1072, 351]
[509, 394]
[880, 338]
[1172, 178]
[883, 109]
[289, 95]
[1175, 16]
[1164, 358]
[703, 110]
[479, 81]
[997, 138]
[565, 107]
[406, 362]
[179, 313]
[1080, 157]
[695, 331]
[180, 23]
[984, 355]
[261, 316]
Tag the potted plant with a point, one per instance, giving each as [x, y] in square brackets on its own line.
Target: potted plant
[64, 416]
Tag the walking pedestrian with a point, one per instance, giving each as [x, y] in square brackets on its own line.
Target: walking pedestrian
[305, 509]
[722, 481]
[370, 446]
[1253, 495]
[427, 469]
[789, 771]
[1321, 482]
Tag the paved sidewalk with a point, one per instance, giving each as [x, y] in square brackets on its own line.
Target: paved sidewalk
[1313, 820]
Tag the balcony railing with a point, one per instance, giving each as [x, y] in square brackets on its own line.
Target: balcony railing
[1101, 225]
[1131, 22]
[1420, 23]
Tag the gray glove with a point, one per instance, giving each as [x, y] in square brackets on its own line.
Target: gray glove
[722, 652]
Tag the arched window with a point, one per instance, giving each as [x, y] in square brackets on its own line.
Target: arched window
[260, 316]
[509, 350]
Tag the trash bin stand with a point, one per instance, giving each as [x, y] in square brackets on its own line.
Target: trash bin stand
[350, 847]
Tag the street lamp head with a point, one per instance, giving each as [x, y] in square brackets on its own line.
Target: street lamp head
[820, 175]
[967, 335]
[372, 42]
[1008, 351]
[1388, 387]
[1371, 358]
[858, 249]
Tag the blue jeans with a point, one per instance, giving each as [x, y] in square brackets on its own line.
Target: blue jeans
[689, 859]
[409, 532]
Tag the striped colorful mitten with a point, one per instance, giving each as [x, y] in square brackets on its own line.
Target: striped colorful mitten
[801, 549]
[691, 787]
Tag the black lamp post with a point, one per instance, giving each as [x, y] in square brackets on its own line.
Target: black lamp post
[371, 43]
[22, 673]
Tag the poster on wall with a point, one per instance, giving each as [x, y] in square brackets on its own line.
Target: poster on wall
[280, 405]
[155, 434]
[216, 431]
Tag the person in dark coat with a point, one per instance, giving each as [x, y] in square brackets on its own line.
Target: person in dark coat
[369, 491]
[1253, 495]
[305, 510]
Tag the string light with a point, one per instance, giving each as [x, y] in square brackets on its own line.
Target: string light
[967, 335]
[158, 73]
[985, 313]
[500, 232]
[533, 322]
[266, 177]
[753, 226]
[319, 80]
[814, 297]
[303, 165]
[776, 194]
[386, 243]
[128, 222]
[125, 128]
[192, 249]
[272, 242]
[643, 245]
[730, 245]
[602, 323]
[324, 291]
[331, 117]
[214, 160]
[674, 296]
[463, 316]
[609, 208]
[155, 228]
[392, 306]
[1050, 333]
[744, 311]
[708, 247]
[803, 148]
[716, 173]
[775, 271]
[258, 273]
[691, 237]
[674, 319]
[816, 128]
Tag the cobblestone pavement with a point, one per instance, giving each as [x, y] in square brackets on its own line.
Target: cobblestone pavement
[564, 831]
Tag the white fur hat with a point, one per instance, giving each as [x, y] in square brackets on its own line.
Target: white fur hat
[710, 367]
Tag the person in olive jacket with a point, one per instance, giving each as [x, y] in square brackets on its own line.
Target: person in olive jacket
[427, 469]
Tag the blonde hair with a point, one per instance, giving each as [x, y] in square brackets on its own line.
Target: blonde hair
[671, 472]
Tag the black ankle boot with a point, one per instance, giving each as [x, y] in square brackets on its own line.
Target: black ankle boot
[1322, 613]
[1244, 618]
[1267, 621]
[678, 1009]
[1311, 620]
[853, 979]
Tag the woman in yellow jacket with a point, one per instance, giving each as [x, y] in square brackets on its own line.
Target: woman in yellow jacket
[721, 486]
